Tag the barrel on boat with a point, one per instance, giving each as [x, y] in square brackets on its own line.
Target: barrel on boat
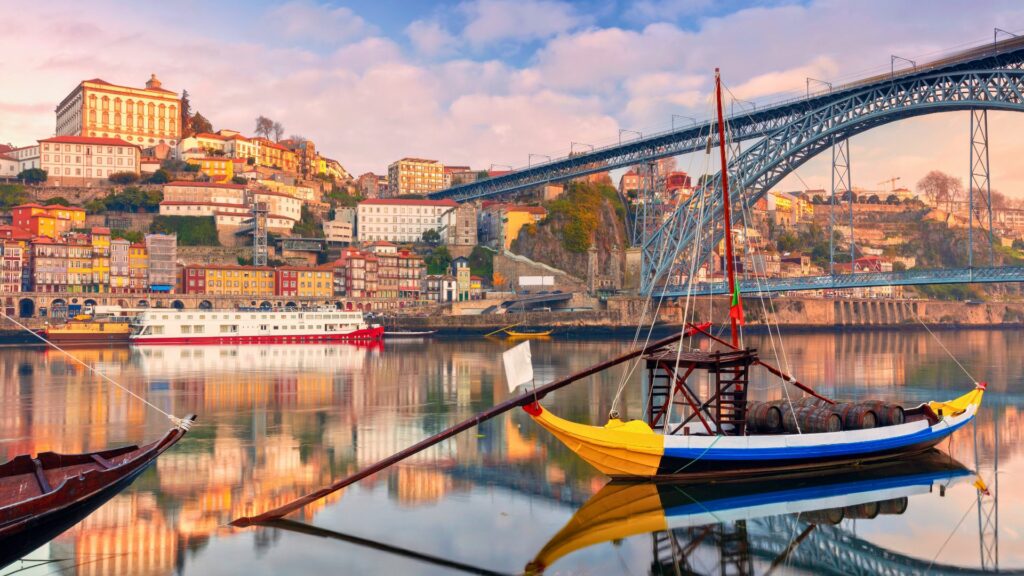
[764, 417]
[831, 516]
[811, 401]
[811, 419]
[855, 416]
[866, 511]
[888, 414]
[894, 506]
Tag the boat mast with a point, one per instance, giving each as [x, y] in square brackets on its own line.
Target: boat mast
[730, 261]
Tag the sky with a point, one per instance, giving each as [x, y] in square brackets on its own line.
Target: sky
[490, 82]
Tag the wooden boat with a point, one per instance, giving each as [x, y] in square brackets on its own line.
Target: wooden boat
[528, 334]
[621, 510]
[42, 497]
[715, 437]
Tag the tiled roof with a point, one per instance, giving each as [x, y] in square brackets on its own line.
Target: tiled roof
[88, 140]
[407, 202]
[205, 184]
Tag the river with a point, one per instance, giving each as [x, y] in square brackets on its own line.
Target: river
[276, 422]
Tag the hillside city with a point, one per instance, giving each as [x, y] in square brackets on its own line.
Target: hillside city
[136, 194]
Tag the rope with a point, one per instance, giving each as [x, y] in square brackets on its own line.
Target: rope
[701, 455]
[943, 346]
[950, 537]
[178, 422]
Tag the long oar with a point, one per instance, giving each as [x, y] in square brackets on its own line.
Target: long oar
[505, 406]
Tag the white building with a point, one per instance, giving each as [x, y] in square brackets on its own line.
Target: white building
[8, 166]
[403, 220]
[229, 204]
[84, 161]
[27, 157]
[338, 230]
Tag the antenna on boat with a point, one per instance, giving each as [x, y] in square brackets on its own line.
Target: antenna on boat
[182, 423]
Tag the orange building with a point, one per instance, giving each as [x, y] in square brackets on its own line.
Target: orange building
[277, 156]
[50, 221]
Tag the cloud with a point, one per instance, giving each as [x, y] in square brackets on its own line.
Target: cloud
[305, 20]
[777, 82]
[655, 10]
[430, 39]
[493, 21]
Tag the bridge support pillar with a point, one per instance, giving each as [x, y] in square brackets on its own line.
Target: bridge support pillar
[841, 187]
[980, 182]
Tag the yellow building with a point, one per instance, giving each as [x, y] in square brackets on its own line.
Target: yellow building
[50, 221]
[142, 116]
[513, 218]
[414, 176]
[239, 280]
[138, 268]
[100, 239]
[316, 283]
[218, 168]
[79, 263]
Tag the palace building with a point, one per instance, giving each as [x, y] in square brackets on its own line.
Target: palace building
[141, 116]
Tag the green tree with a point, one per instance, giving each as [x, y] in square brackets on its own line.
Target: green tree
[132, 236]
[238, 180]
[186, 115]
[431, 238]
[200, 124]
[12, 195]
[481, 262]
[161, 176]
[191, 230]
[308, 226]
[59, 200]
[123, 177]
[438, 261]
[33, 176]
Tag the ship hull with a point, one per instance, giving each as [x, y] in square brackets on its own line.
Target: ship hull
[362, 335]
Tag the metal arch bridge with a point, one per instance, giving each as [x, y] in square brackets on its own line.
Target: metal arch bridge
[789, 134]
[985, 275]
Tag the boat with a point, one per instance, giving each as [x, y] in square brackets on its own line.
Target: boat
[251, 326]
[42, 497]
[102, 326]
[722, 434]
[409, 333]
[621, 510]
[528, 333]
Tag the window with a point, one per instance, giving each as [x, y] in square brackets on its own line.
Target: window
[186, 329]
[197, 329]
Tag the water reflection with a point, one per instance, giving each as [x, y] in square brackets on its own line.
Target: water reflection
[279, 421]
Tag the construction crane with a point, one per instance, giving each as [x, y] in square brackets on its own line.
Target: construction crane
[891, 182]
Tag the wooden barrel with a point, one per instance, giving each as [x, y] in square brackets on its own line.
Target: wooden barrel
[866, 511]
[888, 414]
[810, 401]
[855, 416]
[812, 419]
[764, 418]
[894, 506]
[831, 516]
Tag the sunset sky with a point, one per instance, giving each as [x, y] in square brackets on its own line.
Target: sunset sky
[485, 82]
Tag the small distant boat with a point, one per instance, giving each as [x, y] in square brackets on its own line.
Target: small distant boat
[42, 497]
[409, 333]
[528, 333]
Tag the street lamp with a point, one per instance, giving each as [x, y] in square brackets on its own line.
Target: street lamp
[621, 130]
[732, 106]
[573, 145]
[995, 38]
[674, 116]
[491, 169]
[529, 159]
[892, 63]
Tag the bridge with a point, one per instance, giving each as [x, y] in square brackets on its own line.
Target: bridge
[784, 136]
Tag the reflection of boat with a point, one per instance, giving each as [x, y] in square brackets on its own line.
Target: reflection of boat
[409, 333]
[44, 496]
[174, 361]
[621, 510]
[97, 327]
[251, 326]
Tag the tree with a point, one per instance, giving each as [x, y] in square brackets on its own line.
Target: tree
[298, 138]
[11, 195]
[438, 261]
[892, 199]
[431, 238]
[264, 126]
[238, 180]
[186, 115]
[123, 177]
[33, 176]
[999, 200]
[59, 200]
[939, 187]
[278, 131]
[161, 176]
[201, 124]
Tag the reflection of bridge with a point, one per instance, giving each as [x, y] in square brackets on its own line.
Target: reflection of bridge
[785, 136]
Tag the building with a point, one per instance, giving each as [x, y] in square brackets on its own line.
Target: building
[141, 116]
[403, 219]
[79, 263]
[99, 240]
[304, 282]
[51, 221]
[333, 169]
[202, 144]
[440, 288]
[27, 156]
[49, 265]
[306, 158]
[460, 270]
[414, 176]
[355, 274]
[138, 268]
[369, 185]
[456, 175]
[230, 280]
[339, 230]
[12, 264]
[120, 265]
[218, 168]
[9, 167]
[163, 261]
[274, 155]
[500, 224]
[463, 232]
[85, 160]
[631, 183]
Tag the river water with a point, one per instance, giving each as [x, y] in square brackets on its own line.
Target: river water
[280, 421]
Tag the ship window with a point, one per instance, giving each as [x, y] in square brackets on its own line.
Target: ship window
[198, 329]
[165, 316]
[238, 316]
[228, 328]
[263, 327]
[158, 329]
[189, 316]
[186, 329]
[202, 316]
[276, 327]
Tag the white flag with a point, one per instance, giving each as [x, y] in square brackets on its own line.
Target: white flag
[518, 365]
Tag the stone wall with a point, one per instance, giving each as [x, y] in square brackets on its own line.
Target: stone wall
[512, 266]
[138, 222]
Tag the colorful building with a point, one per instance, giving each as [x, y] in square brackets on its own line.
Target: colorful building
[218, 168]
[12, 264]
[305, 282]
[50, 221]
[415, 176]
[120, 265]
[403, 219]
[142, 116]
[138, 268]
[229, 280]
[163, 261]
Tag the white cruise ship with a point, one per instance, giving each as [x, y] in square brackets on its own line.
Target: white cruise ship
[250, 326]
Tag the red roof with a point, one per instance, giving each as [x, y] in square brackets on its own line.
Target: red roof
[101, 81]
[89, 140]
[205, 184]
[60, 207]
[183, 203]
[100, 230]
[6, 157]
[29, 205]
[381, 243]
[408, 202]
[5, 148]
[210, 136]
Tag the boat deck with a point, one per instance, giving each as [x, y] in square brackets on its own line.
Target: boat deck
[25, 477]
[703, 360]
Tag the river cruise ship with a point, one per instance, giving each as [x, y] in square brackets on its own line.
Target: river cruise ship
[251, 326]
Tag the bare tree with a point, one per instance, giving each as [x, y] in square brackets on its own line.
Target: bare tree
[999, 200]
[278, 131]
[264, 126]
[297, 138]
[939, 187]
